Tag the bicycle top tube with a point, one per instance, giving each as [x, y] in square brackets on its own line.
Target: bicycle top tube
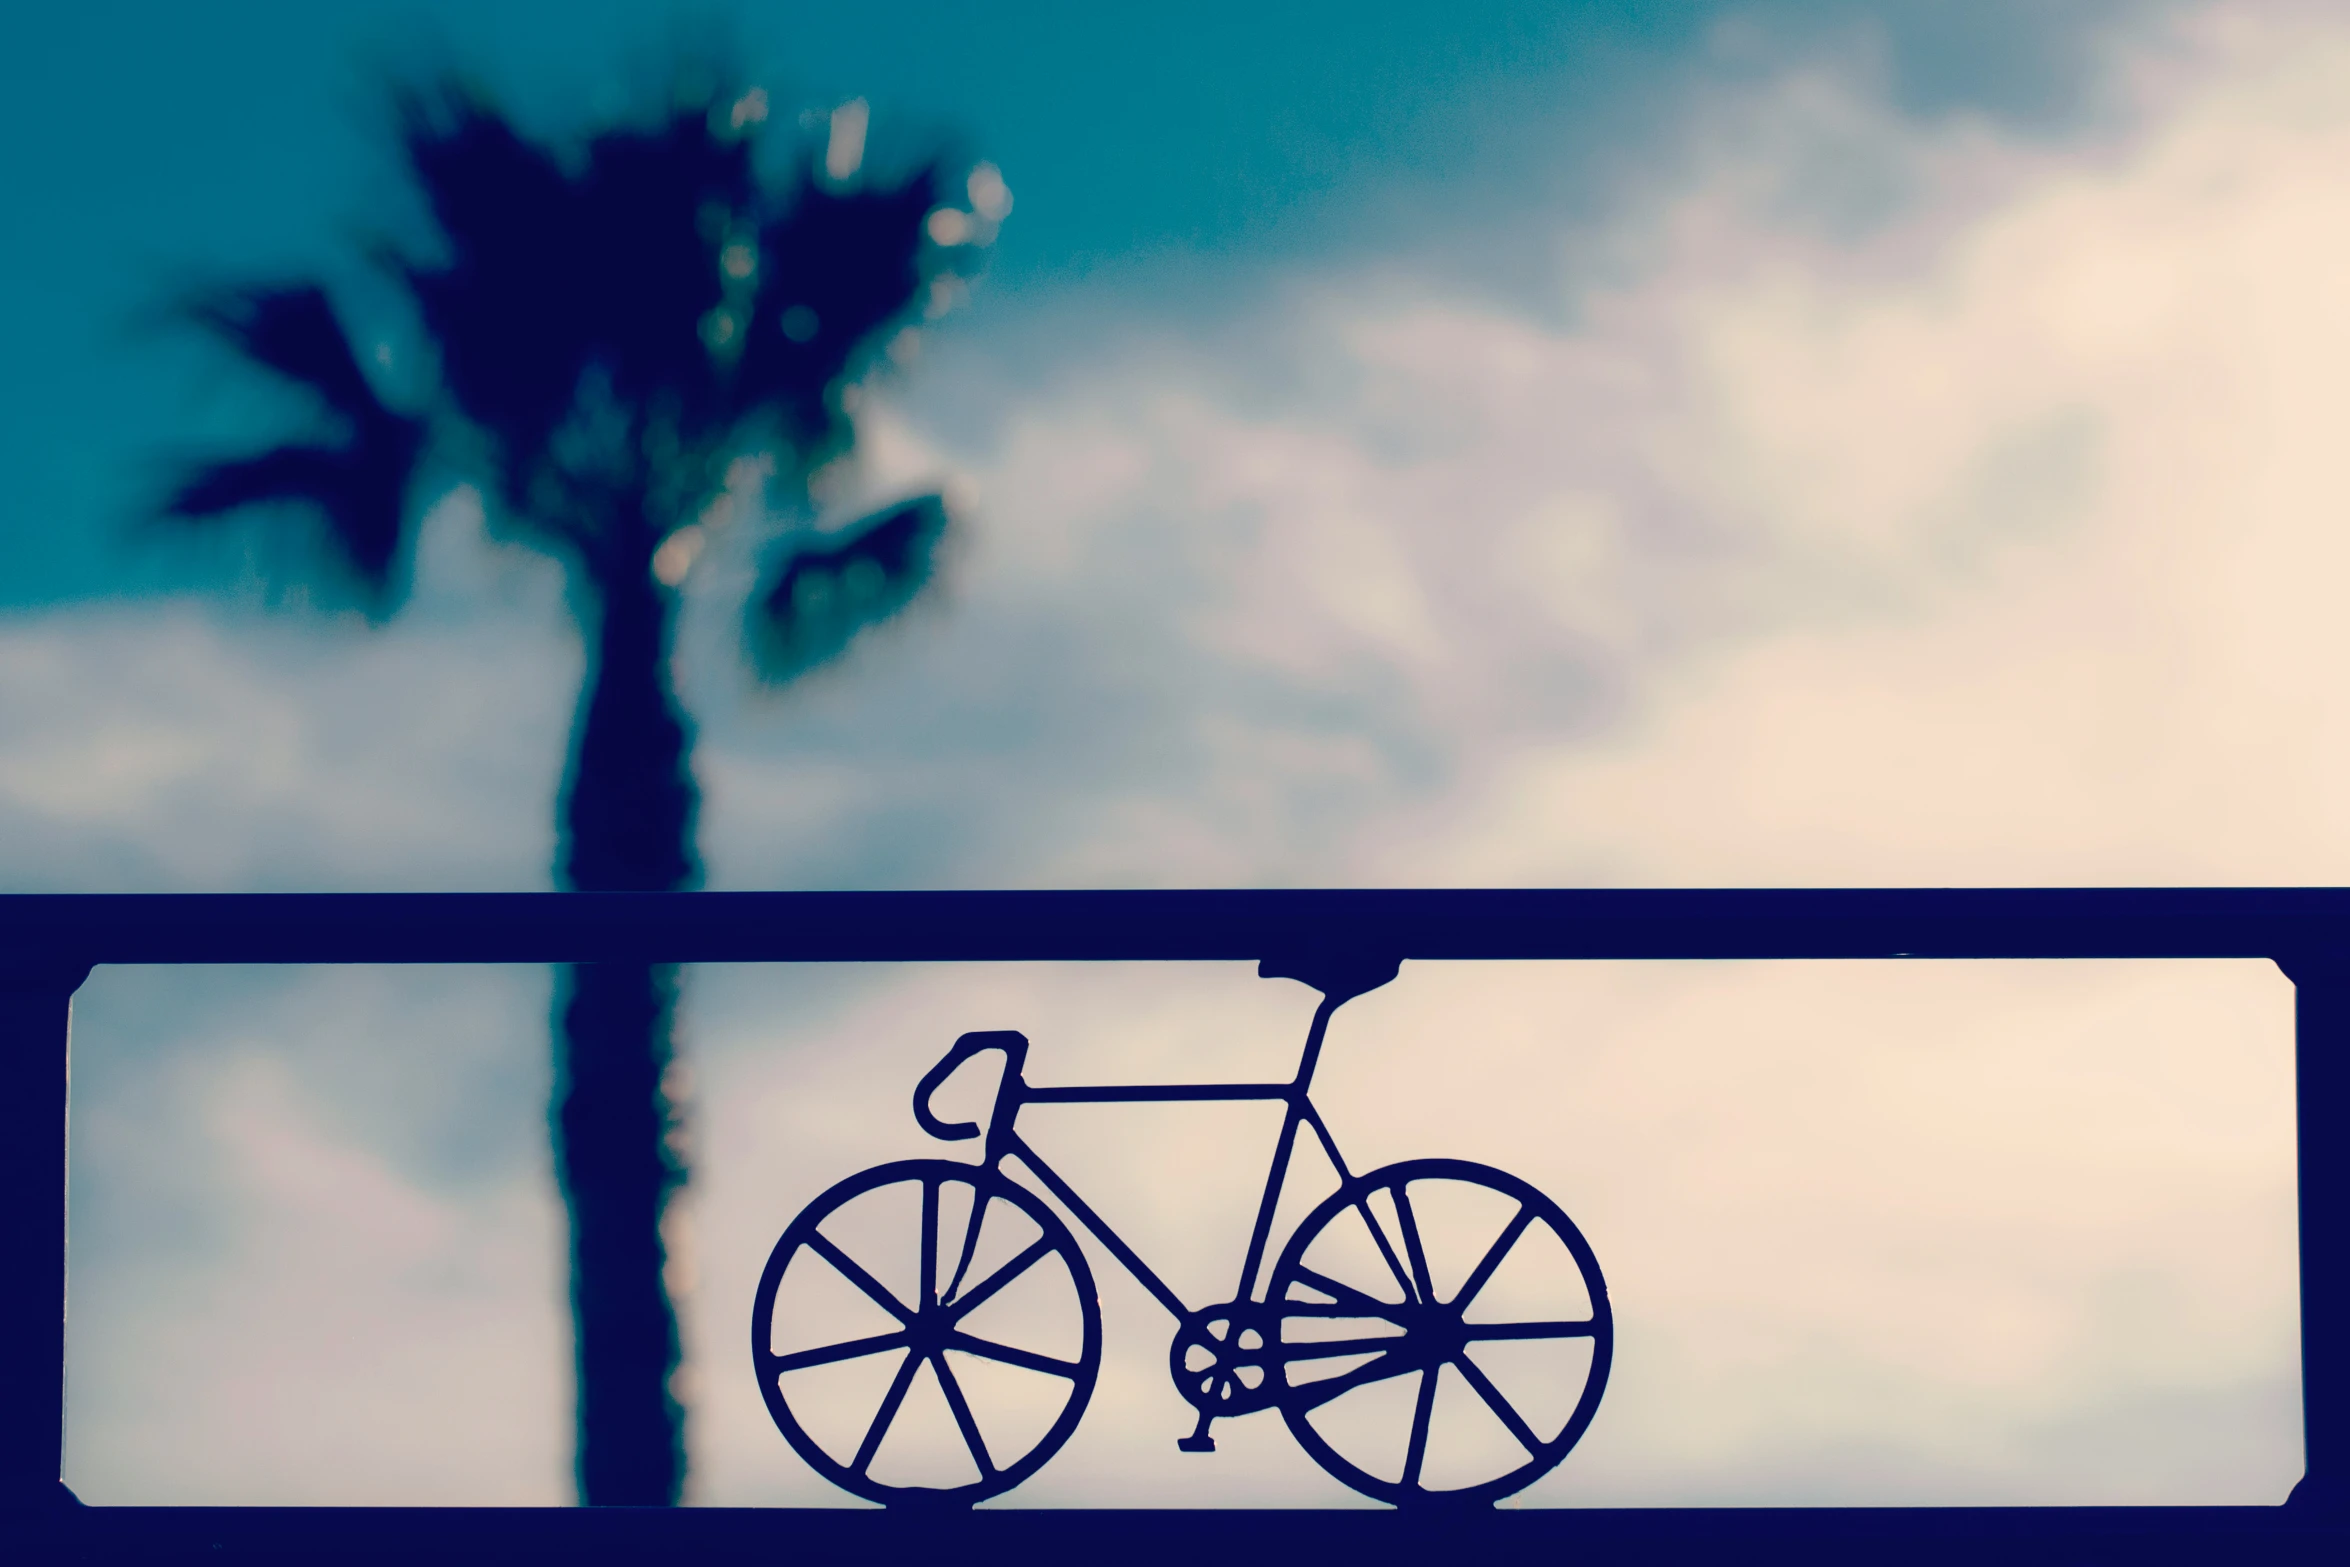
[1339, 978]
[1146, 1093]
[1134, 1093]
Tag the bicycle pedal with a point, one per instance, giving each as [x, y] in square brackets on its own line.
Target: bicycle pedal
[1203, 1443]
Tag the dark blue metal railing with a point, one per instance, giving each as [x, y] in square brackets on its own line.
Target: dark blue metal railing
[49, 943]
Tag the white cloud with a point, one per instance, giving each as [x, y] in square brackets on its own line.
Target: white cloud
[1989, 543]
[176, 746]
[306, 1269]
[2075, 472]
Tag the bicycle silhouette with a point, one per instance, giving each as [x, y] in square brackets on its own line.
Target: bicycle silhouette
[1364, 1294]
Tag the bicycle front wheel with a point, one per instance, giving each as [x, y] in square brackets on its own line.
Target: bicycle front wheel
[1445, 1333]
[926, 1332]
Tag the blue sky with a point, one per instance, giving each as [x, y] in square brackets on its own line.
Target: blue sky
[1776, 444]
[1160, 156]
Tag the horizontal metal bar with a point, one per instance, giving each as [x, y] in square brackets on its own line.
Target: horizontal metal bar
[1025, 1537]
[1153, 1093]
[717, 927]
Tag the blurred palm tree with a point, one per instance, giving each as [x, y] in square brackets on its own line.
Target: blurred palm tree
[614, 330]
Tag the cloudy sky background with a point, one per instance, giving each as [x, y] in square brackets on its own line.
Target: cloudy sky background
[1754, 445]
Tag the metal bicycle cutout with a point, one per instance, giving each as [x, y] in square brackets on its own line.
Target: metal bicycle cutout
[1477, 1316]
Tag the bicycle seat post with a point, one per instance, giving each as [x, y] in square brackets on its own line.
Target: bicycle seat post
[1340, 977]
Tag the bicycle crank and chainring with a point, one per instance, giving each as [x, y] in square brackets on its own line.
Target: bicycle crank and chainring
[1221, 1360]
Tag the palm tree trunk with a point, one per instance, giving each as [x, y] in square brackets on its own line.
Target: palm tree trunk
[628, 816]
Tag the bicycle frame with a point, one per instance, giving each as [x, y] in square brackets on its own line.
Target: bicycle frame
[1014, 1091]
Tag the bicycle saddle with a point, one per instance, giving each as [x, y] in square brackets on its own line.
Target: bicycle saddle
[1339, 976]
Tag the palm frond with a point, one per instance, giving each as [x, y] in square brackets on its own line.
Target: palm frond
[836, 269]
[828, 589]
[357, 486]
[506, 305]
[660, 209]
[291, 329]
[284, 473]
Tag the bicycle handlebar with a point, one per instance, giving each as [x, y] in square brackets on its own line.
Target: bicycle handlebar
[1015, 1049]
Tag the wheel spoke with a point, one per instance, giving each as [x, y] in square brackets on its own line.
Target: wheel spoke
[847, 1267]
[1386, 1248]
[1313, 1395]
[1331, 1349]
[970, 1427]
[1411, 1240]
[929, 1286]
[1002, 1276]
[1493, 1255]
[801, 1360]
[1026, 1360]
[1583, 1329]
[1500, 1405]
[1426, 1406]
[885, 1414]
[1351, 1302]
[979, 1201]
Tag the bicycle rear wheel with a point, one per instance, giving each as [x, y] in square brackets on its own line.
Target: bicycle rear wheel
[926, 1332]
[1445, 1333]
